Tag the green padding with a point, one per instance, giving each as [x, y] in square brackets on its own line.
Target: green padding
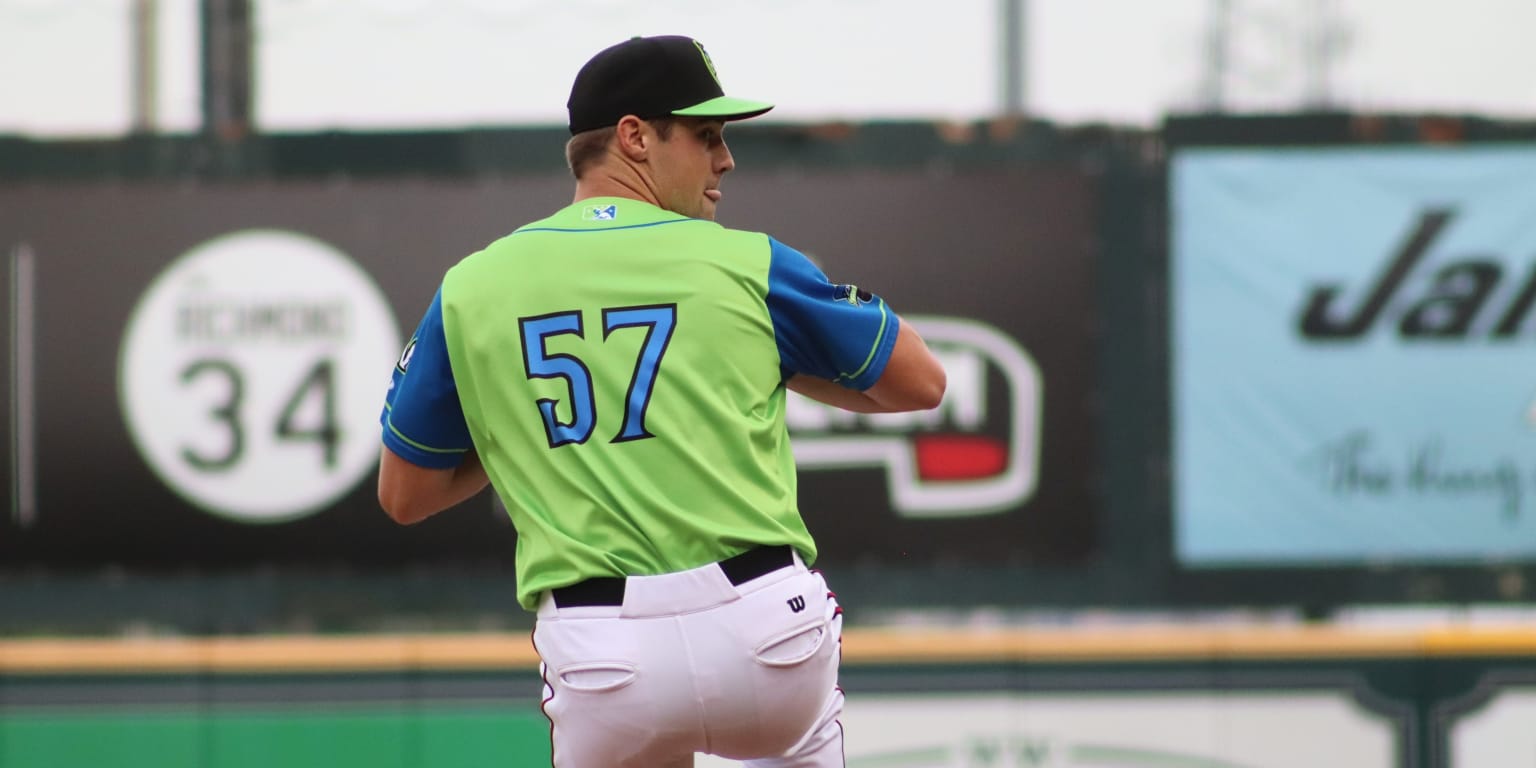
[382, 737]
[131, 741]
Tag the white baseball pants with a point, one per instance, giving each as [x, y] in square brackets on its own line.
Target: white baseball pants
[691, 663]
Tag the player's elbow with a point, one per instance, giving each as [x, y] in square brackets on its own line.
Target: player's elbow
[931, 391]
[409, 493]
[925, 393]
[401, 500]
[400, 507]
[915, 390]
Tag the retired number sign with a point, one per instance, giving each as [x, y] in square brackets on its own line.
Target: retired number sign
[252, 373]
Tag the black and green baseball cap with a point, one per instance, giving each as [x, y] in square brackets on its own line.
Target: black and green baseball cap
[651, 77]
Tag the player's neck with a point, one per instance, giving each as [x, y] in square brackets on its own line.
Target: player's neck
[625, 182]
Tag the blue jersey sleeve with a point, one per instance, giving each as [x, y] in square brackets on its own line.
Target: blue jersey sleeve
[423, 421]
[835, 332]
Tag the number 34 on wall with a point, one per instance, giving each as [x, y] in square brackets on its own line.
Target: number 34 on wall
[251, 394]
[317, 386]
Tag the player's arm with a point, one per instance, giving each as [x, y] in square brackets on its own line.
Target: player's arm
[410, 494]
[428, 462]
[843, 346]
[913, 380]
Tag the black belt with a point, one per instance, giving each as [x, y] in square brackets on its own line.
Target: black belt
[740, 569]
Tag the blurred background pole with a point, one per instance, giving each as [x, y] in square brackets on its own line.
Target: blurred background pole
[1011, 64]
[1213, 88]
[23, 386]
[227, 71]
[144, 50]
[1323, 38]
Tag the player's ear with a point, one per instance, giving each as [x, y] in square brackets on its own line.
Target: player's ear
[632, 137]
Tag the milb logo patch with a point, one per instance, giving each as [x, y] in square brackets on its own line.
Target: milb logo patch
[600, 212]
[956, 460]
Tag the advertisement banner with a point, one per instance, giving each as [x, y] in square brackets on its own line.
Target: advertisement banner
[197, 372]
[1351, 355]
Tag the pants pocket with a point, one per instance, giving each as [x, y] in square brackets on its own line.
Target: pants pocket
[597, 676]
[788, 649]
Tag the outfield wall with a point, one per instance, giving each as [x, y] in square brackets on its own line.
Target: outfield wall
[1112, 698]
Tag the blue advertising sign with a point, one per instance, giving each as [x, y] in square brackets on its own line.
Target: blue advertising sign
[1352, 354]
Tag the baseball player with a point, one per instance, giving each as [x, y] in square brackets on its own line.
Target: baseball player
[617, 372]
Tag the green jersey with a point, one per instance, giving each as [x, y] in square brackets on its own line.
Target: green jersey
[620, 371]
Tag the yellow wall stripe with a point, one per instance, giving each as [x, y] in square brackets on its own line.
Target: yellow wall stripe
[374, 653]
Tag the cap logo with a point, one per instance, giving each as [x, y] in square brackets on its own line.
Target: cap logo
[708, 63]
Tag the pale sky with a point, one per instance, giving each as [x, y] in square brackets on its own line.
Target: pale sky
[379, 64]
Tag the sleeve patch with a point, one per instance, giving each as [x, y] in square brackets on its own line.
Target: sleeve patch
[852, 294]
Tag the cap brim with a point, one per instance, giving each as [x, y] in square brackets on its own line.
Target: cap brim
[725, 108]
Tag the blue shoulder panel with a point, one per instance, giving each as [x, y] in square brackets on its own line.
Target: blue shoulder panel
[423, 421]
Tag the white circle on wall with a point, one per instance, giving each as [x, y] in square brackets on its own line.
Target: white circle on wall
[252, 373]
